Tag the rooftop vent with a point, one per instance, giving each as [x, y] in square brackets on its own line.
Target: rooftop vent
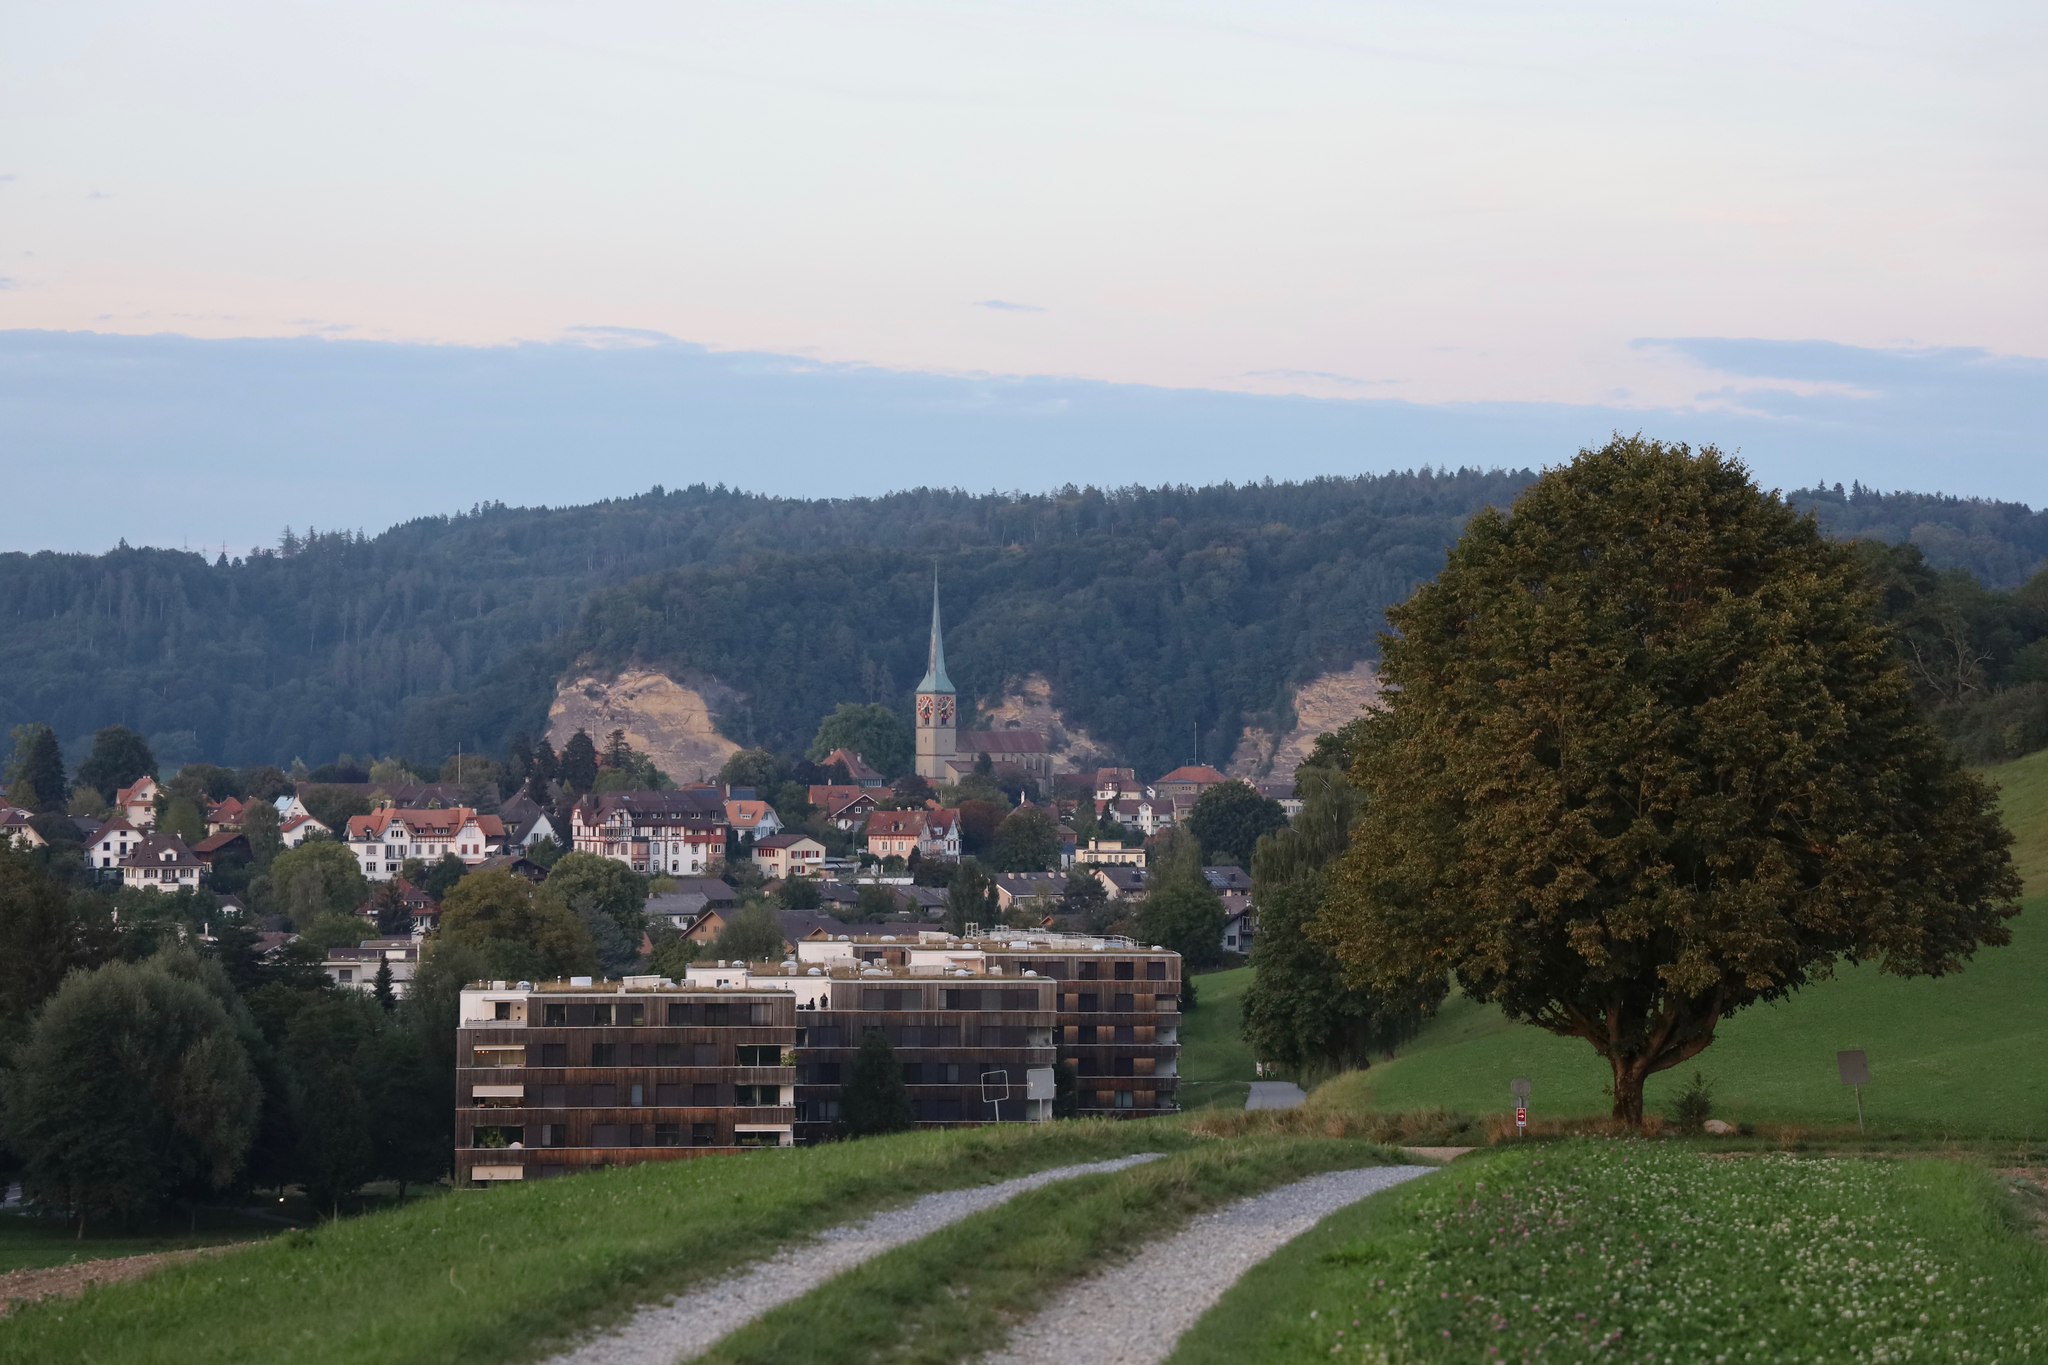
[579, 981]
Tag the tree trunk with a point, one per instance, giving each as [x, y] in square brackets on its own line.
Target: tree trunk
[1628, 1092]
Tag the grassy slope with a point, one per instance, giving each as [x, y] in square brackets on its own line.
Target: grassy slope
[1948, 1056]
[490, 1276]
[1215, 1063]
[34, 1243]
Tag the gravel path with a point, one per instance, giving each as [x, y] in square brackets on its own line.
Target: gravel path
[1134, 1313]
[686, 1327]
[71, 1279]
[1274, 1095]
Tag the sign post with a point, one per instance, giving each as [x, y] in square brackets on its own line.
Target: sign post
[1855, 1071]
[995, 1088]
[1519, 1088]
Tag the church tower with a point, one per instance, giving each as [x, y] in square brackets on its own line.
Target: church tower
[936, 705]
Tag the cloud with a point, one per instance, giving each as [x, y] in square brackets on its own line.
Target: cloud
[394, 430]
[1005, 306]
[9, 282]
[1322, 375]
[97, 195]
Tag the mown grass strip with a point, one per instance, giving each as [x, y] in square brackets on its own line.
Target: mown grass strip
[956, 1293]
[1634, 1251]
[507, 1274]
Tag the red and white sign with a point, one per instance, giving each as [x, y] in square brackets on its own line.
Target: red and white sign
[1521, 1116]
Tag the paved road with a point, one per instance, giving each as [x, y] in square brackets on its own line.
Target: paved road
[1274, 1095]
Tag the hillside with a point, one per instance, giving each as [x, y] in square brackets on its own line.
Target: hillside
[1947, 1055]
[1153, 615]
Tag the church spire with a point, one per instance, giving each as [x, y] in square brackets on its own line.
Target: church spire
[935, 679]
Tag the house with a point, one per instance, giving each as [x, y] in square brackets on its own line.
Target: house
[16, 831]
[1146, 814]
[895, 833]
[356, 968]
[653, 832]
[845, 807]
[517, 864]
[756, 818]
[1237, 923]
[1279, 789]
[384, 839]
[1228, 879]
[1189, 781]
[1110, 853]
[1114, 784]
[1026, 749]
[405, 795]
[526, 823]
[1122, 883]
[300, 828]
[161, 862]
[137, 804]
[111, 844]
[856, 768]
[426, 915]
[290, 808]
[1012, 887]
[789, 855]
[225, 815]
[691, 898]
[929, 902]
[230, 845]
[941, 835]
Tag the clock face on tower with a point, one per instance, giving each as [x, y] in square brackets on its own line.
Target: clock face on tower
[945, 710]
[924, 710]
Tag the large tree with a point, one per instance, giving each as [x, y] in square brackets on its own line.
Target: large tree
[578, 769]
[869, 731]
[1230, 818]
[605, 885]
[318, 877]
[133, 1088]
[1647, 758]
[1028, 840]
[36, 779]
[1182, 911]
[524, 930]
[119, 756]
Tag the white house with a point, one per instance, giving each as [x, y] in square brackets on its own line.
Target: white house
[676, 832]
[300, 828]
[384, 839]
[109, 848]
[137, 804]
[16, 831]
[356, 968]
[161, 862]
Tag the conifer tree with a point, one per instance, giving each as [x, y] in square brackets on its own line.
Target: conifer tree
[874, 1099]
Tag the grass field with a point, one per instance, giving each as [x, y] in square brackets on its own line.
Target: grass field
[33, 1243]
[482, 1276]
[1215, 1063]
[1648, 1251]
[1956, 1057]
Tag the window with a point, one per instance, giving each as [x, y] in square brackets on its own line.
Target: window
[817, 1111]
[825, 1036]
[1125, 971]
[1155, 970]
[1126, 1099]
[601, 1015]
[668, 1095]
[1125, 1033]
[824, 1073]
[1124, 1003]
[345, 975]
[704, 1054]
[637, 1097]
[702, 1093]
[501, 1009]
[604, 1054]
[634, 1014]
[1002, 1035]
[757, 1094]
[757, 1139]
[1087, 971]
[554, 1135]
[1026, 999]
[603, 1096]
[1085, 1033]
[913, 1073]
[554, 1096]
[668, 1054]
[678, 1015]
[718, 1016]
[1090, 1066]
[1090, 1003]
[764, 1054]
[963, 1000]
[554, 1016]
[668, 1134]
[554, 1054]
[1126, 1066]
[608, 1135]
[498, 1136]
[703, 1135]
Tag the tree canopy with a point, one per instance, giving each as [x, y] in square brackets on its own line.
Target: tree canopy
[1648, 757]
[870, 731]
[874, 1099]
[523, 930]
[119, 758]
[318, 877]
[1230, 818]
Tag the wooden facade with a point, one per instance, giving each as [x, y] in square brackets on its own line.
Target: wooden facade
[1118, 1020]
[561, 1078]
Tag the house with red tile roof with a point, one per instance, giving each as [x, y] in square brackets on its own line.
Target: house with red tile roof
[384, 839]
[1189, 781]
[137, 804]
[161, 862]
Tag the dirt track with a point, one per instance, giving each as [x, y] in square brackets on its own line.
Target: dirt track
[71, 1280]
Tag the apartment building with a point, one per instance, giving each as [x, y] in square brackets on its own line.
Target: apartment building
[676, 832]
[385, 838]
[574, 1075]
[1118, 1019]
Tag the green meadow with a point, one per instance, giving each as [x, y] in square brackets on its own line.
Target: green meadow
[1216, 1067]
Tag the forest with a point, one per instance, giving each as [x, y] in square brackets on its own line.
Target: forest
[1160, 615]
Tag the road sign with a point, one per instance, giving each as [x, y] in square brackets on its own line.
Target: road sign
[1855, 1070]
[1519, 1087]
[1040, 1083]
[1521, 1116]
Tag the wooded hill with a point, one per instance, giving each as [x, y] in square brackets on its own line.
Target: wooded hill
[1154, 612]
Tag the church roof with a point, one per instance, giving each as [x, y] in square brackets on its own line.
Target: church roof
[935, 679]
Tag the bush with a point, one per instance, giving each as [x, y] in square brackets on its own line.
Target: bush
[1694, 1105]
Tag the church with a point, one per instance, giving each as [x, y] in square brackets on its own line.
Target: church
[945, 753]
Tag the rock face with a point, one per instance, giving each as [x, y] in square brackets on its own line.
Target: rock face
[1028, 706]
[1322, 705]
[665, 719]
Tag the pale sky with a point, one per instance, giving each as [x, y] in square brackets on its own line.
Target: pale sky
[1429, 202]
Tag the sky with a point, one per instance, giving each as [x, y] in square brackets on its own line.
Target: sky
[844, 248]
